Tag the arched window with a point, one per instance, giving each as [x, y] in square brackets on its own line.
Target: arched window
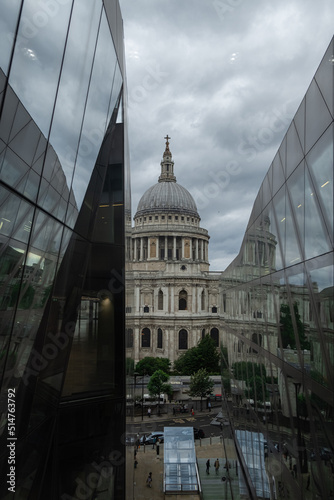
[203, 333]
[183, 339]
[146, 309]
[214, 309]
[129, 337]
[146, 337]
[160, 300]
[214, 333]
[183, 300]
[159, 338]
[202, 300]
[257, 339]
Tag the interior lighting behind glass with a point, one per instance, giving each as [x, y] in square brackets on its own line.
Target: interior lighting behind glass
[325, 184]
[283, 219]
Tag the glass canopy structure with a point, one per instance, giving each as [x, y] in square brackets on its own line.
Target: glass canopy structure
[180, 466]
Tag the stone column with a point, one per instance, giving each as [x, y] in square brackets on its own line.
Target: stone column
[174, 247]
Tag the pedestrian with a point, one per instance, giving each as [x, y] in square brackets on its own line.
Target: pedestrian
[217, 465]
[158, 446]
[144, 439]
[209, 405]
[137, 443]
[149, 412]
[136, 463]
[208, 466]
[149, 480]
[154, 440]
[192, 411]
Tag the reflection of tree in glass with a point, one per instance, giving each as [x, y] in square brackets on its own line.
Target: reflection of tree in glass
[287, 329]
[200, 385]
[257, 388]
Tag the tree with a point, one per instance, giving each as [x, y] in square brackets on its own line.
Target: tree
[287, 329]
[257, 388]
[204, 355]
[149, 365]
[158, 385]
[200, 384]
[245, 370]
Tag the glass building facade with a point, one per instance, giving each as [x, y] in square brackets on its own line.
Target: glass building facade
[277, 299]
[63, 195]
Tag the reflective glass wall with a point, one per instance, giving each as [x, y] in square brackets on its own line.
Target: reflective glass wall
[278, 303]
[63, 168]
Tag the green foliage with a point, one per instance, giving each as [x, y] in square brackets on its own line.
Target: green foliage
[287, 330]
[204, 355]
[224, 358]
[27, 298]
[149, 365]
[200, 384]
[158, 385]
[245, 370]
[257, 388]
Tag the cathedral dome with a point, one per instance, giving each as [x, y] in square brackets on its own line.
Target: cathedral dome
[167, 195]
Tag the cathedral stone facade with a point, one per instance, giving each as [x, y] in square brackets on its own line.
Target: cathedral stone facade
[172, 297]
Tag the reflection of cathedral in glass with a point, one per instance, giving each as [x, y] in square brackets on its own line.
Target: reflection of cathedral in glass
[62, 167]
[278, 303]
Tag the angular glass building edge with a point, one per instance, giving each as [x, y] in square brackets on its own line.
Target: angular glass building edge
[64, 192]
[278, 306]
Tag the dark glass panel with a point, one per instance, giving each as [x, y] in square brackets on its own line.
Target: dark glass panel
[296, 188]
[279, 210]
[8, 114]
[16, 216]
[278, 174]
[317, 116]
[293, 243]
[13, 169]
[299, 120]
[320, 163]
[324, 77]
[316, 236]
[294, 152]
[39, 58]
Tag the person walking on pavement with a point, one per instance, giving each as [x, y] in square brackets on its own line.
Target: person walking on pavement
[158, 446]
[208, 466]
[153, 442]
[149, 411]
[209, 405]
[217, 465]
[149, 480]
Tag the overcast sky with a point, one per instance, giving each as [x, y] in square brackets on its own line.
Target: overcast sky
[223, 79]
